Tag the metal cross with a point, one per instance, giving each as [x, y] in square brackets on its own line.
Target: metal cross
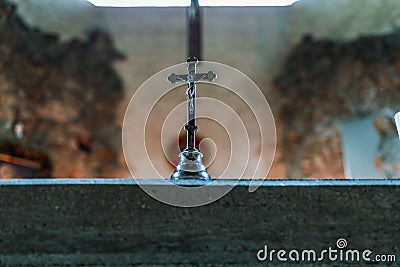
[191, 78]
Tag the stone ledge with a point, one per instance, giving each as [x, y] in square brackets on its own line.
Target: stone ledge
[106, 222]
[220, 182]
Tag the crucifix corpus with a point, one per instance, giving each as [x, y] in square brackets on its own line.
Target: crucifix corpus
[191, 160]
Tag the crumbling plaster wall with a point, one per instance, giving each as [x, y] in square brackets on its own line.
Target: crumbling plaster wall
[254, 40]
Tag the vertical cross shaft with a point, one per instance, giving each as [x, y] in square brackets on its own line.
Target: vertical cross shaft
[193, 13]
[191, 127]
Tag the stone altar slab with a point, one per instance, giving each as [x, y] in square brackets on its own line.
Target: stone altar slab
[108, 222]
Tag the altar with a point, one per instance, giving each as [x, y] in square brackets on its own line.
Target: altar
[105, 222]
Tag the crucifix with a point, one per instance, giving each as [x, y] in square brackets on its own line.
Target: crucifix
[191, 164]
[191, 160]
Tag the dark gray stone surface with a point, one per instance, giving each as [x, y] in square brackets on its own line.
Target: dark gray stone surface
[114, 223]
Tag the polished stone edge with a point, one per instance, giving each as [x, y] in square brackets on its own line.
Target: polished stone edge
[220, 182]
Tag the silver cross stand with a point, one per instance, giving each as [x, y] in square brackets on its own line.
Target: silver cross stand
[191, 160]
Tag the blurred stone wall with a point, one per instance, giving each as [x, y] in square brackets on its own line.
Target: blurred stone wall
[324, 83]
[253, 40]
[63, 92]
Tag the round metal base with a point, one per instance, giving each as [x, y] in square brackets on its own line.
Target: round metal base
[190, 166]
[201, 175]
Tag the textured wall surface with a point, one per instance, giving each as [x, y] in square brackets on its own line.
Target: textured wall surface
[64, 93]
[108, 224]
[324, 83]
[254, 40]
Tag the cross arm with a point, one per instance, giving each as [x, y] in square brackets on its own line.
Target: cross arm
[209, 76]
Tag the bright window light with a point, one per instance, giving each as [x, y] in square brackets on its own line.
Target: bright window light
[185, 3]
[139, 3]
[246, 2]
